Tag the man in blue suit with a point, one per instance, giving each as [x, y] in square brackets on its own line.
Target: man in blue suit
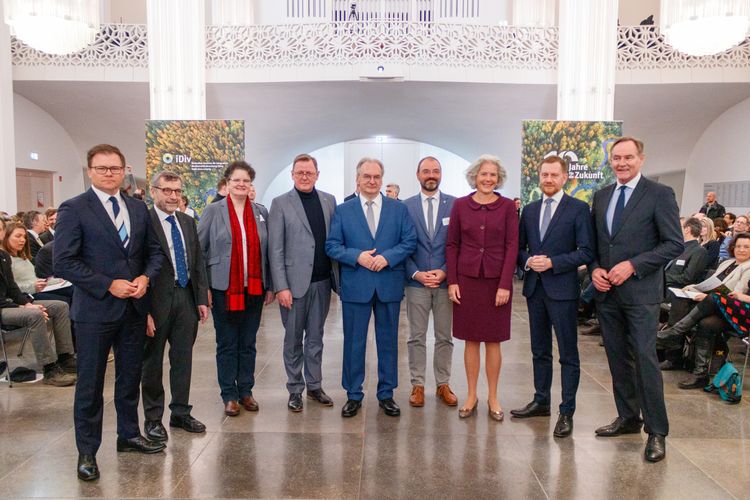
[108, 249]
[371, 237]
[426, 288]
[555, 238]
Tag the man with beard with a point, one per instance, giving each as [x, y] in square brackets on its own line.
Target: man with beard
[555, 238]
[426, 288]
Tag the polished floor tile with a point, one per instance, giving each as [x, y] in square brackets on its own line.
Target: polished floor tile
[427, 452]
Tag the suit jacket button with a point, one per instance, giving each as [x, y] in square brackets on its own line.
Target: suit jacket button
[481, 250]
[481, 227]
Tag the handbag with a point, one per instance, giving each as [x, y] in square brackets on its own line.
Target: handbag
[727, 383]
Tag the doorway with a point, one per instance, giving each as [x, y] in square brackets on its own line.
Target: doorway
[34, 189]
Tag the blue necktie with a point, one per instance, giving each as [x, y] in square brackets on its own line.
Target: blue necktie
[546, 216]
[179, 253]
[619, 208]
[119, 221]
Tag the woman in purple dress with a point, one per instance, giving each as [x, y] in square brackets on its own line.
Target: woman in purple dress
[481, 255]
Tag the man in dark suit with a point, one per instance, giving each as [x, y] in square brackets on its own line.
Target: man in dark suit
[49, 234]
[426, 286]
[555, 238]
[179, 296]
[353, 195]
[371, 236]
[107, 247]
[637, 227]
[36, 224]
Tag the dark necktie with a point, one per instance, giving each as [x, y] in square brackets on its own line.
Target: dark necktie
[619, 208]
[179, 253]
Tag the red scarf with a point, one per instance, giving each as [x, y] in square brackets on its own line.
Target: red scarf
[236, 291]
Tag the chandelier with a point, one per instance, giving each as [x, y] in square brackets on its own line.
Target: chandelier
[704, 27]
[53, 26]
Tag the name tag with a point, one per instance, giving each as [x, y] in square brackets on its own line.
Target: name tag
[260, 218]
[680, 262]
[446, 220]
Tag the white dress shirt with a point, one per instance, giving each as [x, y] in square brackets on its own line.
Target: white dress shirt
[556, 203]
[104, 198]
[167, 227]
[377, 205]
[33, 234]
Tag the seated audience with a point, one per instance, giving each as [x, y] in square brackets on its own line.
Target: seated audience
[49, 234]
[735, 275]
[709, 242]
[16, 309]
[740, 226]
[729, 218]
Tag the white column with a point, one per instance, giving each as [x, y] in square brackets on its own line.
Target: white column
[177, 59]
[8, 200]
[587, 59]
[534, 12]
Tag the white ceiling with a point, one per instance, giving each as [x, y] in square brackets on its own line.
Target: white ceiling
[283, 119]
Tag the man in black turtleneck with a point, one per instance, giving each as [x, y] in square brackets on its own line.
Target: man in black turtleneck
[302, 273]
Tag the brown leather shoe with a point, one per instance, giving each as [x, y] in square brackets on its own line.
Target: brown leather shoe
[231, 408]
[249, 403]
[417, 396]
[444, 392]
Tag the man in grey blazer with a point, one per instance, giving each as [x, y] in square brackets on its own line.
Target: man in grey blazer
[637, 227]
[426, 288]
[302, 274]
[179, 299]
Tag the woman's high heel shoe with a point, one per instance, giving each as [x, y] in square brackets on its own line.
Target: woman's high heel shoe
[466, 413]
[498, 416]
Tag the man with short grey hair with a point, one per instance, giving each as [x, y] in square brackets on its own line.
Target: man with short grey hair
[298, 225]
[179, 301]
[392, 190]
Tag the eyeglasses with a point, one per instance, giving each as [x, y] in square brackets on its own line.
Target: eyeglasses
[304, 174]
[101, 170]
[241, 181]
[169, 191]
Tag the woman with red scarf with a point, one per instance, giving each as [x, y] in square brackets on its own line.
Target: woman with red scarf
[234, 238]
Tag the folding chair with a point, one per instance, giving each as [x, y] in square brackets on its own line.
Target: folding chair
[6, 330]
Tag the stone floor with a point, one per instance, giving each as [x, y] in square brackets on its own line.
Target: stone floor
[427, 452]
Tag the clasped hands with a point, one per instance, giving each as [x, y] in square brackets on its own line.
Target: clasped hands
[539, 263]
[125, 289]
[619, 274]
[430, 279]
[372, 262]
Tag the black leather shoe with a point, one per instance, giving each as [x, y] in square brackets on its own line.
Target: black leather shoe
[295, 403]
[620, 426]
[187, 423]
[656, 448]
[693, 382]
[351, 408]
[532, 409]
[87, 468]
[564, 426]
[390, 407]
[155, 431]
[319, 396]
[139, 444]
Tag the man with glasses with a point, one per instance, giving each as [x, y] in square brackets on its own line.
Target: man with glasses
[302, 275]
[107, 247]
[179, 301]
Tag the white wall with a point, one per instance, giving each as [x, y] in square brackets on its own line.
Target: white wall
[632, 12]
[36, 131]
[675, 180]
[124, 11]
[720, 155]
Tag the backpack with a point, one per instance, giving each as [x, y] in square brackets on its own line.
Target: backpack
[727, 383]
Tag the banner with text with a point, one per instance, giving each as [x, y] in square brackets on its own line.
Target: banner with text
[197, 150]
[585, 145]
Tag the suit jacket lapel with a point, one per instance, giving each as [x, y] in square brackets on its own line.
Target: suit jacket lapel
[225, 214]
[534, 211]
[602, 208]
[384, 213]
[101, 213]
[296, 202]
[136, 224]
[558, 214]
[326, 211]
[187, 236]
[635, 197]
[420, 213]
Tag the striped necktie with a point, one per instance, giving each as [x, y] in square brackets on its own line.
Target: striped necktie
[120, 221]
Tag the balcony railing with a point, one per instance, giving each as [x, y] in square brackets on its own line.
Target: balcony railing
[410, 43]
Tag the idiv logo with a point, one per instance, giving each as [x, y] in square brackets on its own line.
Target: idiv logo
[168, 158]
[571, 156]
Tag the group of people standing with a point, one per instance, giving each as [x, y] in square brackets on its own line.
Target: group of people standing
[144, 277]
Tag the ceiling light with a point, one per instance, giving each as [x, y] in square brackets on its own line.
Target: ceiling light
[704, 27]
[54, 26]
